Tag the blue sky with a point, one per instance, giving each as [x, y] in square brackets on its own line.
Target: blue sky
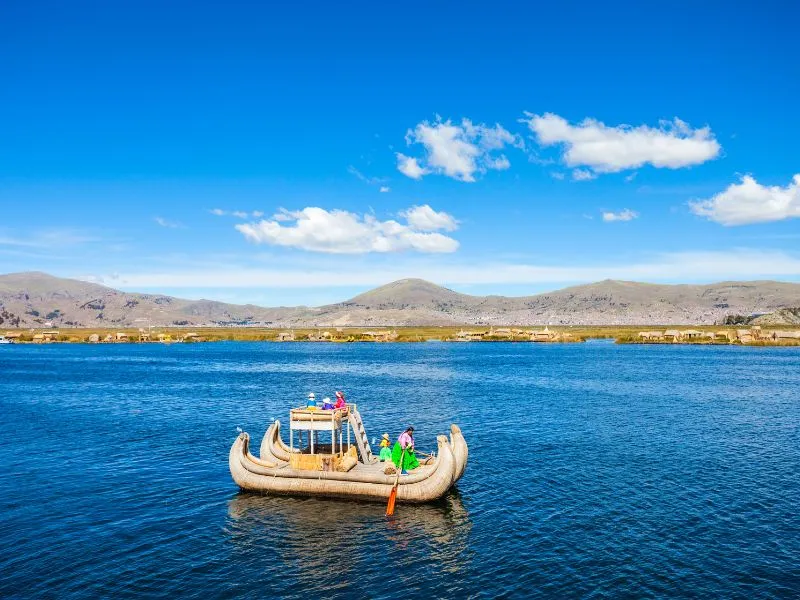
[493, 148]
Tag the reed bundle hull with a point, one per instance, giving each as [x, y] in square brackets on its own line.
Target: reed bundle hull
[271, 473]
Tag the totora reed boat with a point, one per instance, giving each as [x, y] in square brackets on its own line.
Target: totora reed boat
[340, 469]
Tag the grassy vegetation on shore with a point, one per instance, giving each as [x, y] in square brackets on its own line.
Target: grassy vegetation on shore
[625, 334]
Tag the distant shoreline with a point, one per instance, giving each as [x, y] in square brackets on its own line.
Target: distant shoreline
[670, 334]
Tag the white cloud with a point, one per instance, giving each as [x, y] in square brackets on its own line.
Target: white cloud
[583, 175]
[557, 175]
[240, 214]
[341, 232]
[257, 214]
[165, 223]
[624, 215]
[631, 177]
[457, 151]
[217, 211]
[385, 189]
[679, 267]
[750, 202]
[424, 218]
[410, 167]
[673, 144]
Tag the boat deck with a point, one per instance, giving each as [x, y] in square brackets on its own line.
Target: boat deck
[376, 468]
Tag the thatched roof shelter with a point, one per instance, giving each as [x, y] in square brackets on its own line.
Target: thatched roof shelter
[787, 335]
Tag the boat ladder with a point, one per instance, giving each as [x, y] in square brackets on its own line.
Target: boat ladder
[361, 436]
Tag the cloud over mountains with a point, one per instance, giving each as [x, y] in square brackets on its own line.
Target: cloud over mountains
[750, 202]
[342, 232]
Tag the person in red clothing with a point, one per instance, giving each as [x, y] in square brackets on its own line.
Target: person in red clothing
[340, 403]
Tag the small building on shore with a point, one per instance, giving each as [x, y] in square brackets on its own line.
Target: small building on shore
[651, 336]
[780, 335]
[93, 338]
[672, 335]
[286, 336]
[380, 336]
[503, 332]
[543, 335]
[121, 336]
[470, 336]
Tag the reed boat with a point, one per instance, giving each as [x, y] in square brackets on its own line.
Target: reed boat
[341, 469]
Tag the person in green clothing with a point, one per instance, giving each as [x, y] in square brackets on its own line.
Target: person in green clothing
[403, 455]
[386, 453]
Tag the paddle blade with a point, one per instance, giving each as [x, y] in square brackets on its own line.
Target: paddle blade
[392, 500]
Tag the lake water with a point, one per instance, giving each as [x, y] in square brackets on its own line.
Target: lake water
[596, 470]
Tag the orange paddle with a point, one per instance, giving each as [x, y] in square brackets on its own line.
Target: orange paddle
[393, 493]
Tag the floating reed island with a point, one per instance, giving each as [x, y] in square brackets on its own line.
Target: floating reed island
[332, 335]
[320, 460]
[624, 334]
[753, 336]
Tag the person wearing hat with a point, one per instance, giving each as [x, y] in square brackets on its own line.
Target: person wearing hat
[403, 455]
[340, 403]
[386, 453]
[327, 404]
[312, 402]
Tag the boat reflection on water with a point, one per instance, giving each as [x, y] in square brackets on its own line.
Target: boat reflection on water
[326, 545]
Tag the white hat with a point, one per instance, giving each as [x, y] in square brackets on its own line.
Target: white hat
[326, 399]
[311, 395]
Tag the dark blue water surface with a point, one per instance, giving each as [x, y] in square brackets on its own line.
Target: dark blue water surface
[596, 470]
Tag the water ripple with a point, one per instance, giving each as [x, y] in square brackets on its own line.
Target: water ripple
[596, 471]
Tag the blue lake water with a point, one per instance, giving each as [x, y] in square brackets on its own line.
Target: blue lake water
[596, 470]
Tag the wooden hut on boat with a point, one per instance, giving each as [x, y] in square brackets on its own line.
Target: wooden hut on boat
[310, 466]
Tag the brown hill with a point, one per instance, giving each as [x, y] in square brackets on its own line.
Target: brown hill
[34, 299]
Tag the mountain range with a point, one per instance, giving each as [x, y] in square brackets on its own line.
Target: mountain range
[34, 299]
